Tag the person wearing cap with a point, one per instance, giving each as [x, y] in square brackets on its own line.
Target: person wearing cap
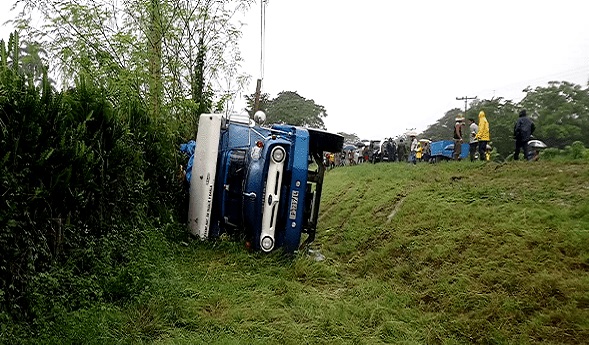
[483, 135]
[522, 132]
[473, 141]
[458, 138]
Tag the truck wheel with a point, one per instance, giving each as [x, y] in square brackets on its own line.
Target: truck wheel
[320, 140]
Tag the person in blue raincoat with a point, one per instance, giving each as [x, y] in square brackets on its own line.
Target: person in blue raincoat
[188, 149]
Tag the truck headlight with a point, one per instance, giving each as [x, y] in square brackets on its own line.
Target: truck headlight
[278, 154]
[256, 153]
[267, 243]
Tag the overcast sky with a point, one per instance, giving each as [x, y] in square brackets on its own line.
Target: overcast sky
[380, 67]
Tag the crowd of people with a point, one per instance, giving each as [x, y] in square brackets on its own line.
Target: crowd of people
[419, 150]
[376, 151]
[479, 137]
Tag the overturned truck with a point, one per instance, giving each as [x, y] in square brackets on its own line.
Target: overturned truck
[260, 183]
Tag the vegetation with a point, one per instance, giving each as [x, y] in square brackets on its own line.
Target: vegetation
[180, 57]
[291, 108]
[429, 254]
[94, 248]
[80, 176]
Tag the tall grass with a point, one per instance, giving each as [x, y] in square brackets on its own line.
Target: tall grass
[453, 253]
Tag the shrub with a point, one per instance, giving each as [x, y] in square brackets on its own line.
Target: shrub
[577, 150]
[76, 169]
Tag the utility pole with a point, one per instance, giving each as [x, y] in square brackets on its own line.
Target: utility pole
[257, 96]
[263, 4]
[465, 99]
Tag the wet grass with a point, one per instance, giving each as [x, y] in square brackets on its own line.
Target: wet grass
[453, 253]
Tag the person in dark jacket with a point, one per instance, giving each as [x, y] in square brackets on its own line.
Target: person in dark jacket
[522, 131]
[401, 151]
[390, 150]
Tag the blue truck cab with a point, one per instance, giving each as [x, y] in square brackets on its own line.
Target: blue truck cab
[260, 183]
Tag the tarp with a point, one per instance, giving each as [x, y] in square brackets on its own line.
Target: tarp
[189, 149]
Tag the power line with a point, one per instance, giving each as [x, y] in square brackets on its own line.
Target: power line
[580, 72]
[465, 99]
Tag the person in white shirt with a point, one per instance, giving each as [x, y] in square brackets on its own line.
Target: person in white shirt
[473, 141]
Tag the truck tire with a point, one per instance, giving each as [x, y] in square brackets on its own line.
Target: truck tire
[320, 140]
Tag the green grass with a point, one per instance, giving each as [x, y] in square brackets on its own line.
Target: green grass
[453, 253]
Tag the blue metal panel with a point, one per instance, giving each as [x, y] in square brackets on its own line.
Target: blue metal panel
[445, 148]
[298, 164]
[438, 148]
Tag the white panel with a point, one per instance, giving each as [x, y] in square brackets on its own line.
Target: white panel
[202, 182]
[272, 199]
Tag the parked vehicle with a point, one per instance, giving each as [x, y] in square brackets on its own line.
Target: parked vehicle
[374, 151]
[443, 150]
[261, 183]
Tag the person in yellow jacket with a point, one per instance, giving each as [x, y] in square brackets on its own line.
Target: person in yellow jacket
[483, 135]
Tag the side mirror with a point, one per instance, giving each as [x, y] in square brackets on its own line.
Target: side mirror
[260, 117]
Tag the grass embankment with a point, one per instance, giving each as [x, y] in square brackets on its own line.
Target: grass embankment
[453, 253]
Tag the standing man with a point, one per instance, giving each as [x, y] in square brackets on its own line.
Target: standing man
[401, 150]
[413, 154]
[458, 137]
[483, 135]
[522, 131]
[473, 141]
[390, 150]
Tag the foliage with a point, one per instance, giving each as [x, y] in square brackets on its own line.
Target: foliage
[291, 108]
[263, 103]
[576, 151]
[350, 138]
[180, 56]
[443, 128]
[561, 113]
[77, 169]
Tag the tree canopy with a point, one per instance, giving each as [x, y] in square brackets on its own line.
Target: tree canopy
[181, 57]
[291, 108]
[349, 138]
[560, 111]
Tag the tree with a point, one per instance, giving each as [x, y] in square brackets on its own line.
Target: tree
[291, 108]
[349, 138]
[442, 129]
[561, 113]
[251, 100]
[180, 56]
